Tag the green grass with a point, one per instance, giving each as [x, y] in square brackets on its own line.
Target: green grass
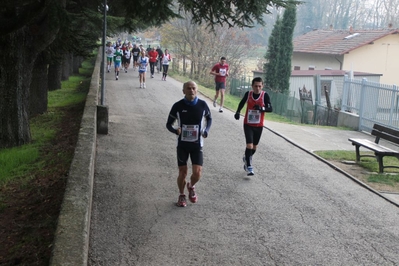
[390, 180]
[72, 92]
[339, 155]
[16, 161]
[21, 162]
[389, 177]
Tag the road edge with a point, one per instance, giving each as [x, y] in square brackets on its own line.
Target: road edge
[71, 240]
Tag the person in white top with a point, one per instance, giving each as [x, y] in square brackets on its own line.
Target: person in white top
[165, 63]
[109, 50]
[143, 63]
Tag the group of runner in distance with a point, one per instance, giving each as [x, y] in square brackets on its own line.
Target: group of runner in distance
[121, 55]
[192, 115]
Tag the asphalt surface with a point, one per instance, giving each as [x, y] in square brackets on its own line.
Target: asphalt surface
[296, 210]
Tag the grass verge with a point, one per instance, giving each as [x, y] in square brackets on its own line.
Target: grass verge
[390, 177]
[33, 176]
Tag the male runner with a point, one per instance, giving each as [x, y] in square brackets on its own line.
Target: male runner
[189, 113]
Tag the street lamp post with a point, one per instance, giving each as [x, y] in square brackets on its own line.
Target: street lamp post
[103, 52]
[102, 110]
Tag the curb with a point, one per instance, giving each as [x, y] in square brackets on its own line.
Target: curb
[335, 167]
[71, 240]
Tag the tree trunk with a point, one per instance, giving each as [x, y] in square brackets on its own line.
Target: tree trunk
[77, 63]
[70, 59]
[39, 86]
[21, 45]
[65, 66]
[184, 64]
[54, 76]
[15, 76]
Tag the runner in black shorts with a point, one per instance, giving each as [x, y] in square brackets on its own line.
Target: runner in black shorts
[258, 103]
[135, 53]
[189, 113]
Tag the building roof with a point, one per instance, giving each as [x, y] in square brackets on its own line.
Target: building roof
[327, 72]
[337, 42]
[330, 73]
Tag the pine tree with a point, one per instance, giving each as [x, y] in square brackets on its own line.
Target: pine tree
[286, 48]
[272, 57]
[279, 52]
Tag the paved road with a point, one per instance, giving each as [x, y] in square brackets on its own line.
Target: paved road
[294, 211]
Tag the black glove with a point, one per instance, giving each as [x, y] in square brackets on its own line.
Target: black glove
[205, 134]
[237, 116]
[257, 107]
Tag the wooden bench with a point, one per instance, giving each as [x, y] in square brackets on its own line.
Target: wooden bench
[380, 132]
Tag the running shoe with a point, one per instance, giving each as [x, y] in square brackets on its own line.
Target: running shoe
[181, 202]
[250, 170]
[141, 85]
[144, 85]
[192, 196]
[214, 103]
[221, 110]
[117, 77]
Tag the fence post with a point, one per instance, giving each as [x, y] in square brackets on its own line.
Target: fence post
[394, 99]
[345, 93]
[361, 106]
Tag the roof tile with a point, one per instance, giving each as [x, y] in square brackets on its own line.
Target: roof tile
[337, 42]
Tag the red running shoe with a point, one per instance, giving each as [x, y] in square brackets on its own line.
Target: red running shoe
[191, 194]
[181, 202]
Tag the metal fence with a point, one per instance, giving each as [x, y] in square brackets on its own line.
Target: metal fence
[372, 102]
[294, 109]
[238, 86]
[302, 111]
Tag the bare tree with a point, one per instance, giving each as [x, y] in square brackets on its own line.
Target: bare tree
[199, 48]
[341, 14]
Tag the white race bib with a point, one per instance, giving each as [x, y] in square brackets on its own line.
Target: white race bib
[253, 116]
[189, 133]
[222, 71]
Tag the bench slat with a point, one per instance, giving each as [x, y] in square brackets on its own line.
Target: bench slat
[373, 146]
[386, 133]
[386, 136]
[389, 130]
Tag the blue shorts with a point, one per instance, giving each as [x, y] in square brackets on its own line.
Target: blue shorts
[118, 64]
[220, 85]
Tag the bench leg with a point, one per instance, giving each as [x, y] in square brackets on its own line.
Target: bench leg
[357, 153]
[380, 163]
